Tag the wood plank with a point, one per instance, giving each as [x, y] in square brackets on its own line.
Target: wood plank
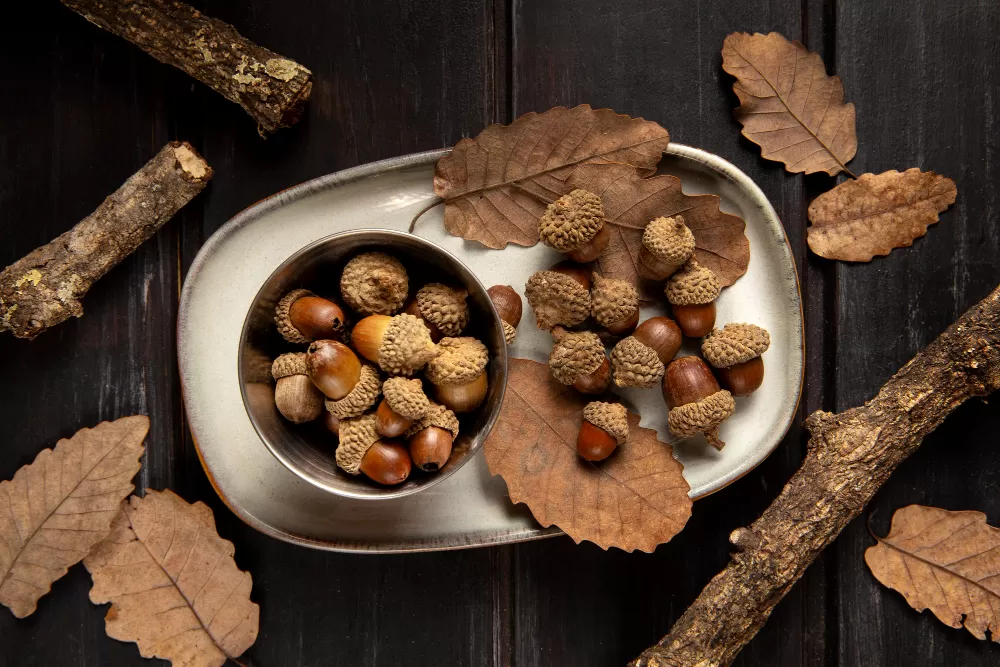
[926, 79]
[576, 604]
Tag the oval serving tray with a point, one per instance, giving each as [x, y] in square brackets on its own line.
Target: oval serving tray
[471, 508]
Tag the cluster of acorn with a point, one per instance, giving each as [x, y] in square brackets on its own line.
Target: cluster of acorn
[569, 296]
[340, 375]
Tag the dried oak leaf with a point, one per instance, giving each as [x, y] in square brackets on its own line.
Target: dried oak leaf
[631, 201]
[872, 215]
[173, 584]
[487, 182]
[59, 506]
[788, 104]
[943, 561]
[636, 499]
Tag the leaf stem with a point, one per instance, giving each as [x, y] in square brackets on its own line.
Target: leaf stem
[413, 222]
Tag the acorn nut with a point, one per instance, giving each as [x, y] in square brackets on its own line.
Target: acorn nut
[333, 367]
[662, 335]
[404, 402]
[667, 244]
[574, 225]
[295, 396]
[442, 308]
[361, 397]
[362, 450]
[303, 317]
[431, 437]
[578, 359]
[374, 283]
[697, 403]
[735, 351]
[559, 296]
[400, 345]
[604, 427]
[508, 305]
[635, 365]
[692, 291]
[615, 305]
[458, 373]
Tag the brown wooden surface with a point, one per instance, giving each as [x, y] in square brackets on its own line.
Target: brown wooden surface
[397, 77]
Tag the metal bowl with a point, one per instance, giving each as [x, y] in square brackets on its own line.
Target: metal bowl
[308, 449]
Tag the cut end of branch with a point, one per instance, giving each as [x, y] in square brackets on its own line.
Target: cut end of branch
[193, 164]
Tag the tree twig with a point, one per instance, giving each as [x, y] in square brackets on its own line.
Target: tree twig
[44, 287]
[850, 456]
[269, 87]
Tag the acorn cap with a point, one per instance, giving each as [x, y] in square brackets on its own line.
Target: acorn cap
[735, 344]
[571, 221]
[610, 417]
[289, 363]
[436, 415]
[702, 417]
[669, 240]
[281, 318]
[575, 354]
[635, 364]
[460, 360]
[612, 301]
[357, 435]
[374, 283]
[692, 285]
[406, 346]
[557, 299]
[444, 307]
[406, 397]
[362, 397]
[509, 332]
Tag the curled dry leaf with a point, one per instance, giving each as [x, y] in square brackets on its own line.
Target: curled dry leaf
[874, 214]
[788, 104]
[631, 201]
[173, 584]
[943, 561]
[495, 186]
[636, 499]
[59, 506]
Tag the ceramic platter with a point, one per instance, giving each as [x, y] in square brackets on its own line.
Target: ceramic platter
[471, 508]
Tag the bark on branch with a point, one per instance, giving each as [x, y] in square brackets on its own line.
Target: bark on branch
[850, 456]
[269, 87]
[44, 287]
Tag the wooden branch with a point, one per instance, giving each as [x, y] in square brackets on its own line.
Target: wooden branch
[850, 456]
[44, 288]
[269, 87]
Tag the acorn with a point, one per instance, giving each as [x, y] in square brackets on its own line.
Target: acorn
[578, 359]
[374, 283]
[635, 365]
[362, 450]
[574, 225]
[331, 422]
[333, 368]
[614, 304]
[458, 373]
[559, 296]
[442, 308]
[404, 402]
[662, 335]
[508, 305]
[295, 396]
[361, 397]
[604, 427]
[735, 352]
[303, 317]
[400, 344]
[692, 291]
[431, 437]
[667, 244]
[697, 403]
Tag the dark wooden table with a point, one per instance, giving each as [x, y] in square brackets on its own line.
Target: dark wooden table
[81, 110]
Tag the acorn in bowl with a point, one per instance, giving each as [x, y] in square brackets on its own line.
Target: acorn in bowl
[350, 314]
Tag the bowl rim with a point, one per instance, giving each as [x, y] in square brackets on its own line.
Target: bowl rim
[387, 492]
